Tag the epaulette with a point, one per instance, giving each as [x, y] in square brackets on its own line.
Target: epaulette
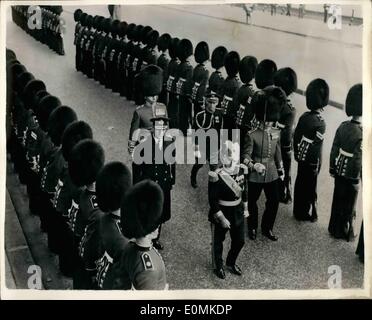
[213, 176]
[320, 117]
[147, 262]
[244, 167]
[139, 107]
[93, 201]
[252, 130]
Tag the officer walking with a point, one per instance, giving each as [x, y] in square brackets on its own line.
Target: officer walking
[151, 82]
[162, 167]
[308, 144]
[262, 155]
[346, 167]
[227, 194]
[205, 120]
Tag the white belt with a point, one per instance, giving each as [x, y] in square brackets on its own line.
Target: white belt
[346, 154]
[229, 203]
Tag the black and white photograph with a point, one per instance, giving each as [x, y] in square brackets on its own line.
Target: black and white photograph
[187, 148]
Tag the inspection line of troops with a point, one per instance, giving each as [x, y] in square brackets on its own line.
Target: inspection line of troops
[103, 221]
[44, 23]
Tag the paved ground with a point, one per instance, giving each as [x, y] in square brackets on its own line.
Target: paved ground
[301, 257]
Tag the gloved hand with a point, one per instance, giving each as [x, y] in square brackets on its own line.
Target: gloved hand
[246, 213]
[260, 168]
[224, 222]
[281, 174]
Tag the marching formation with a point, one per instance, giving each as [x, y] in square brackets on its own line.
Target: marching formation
[104, 222]
[44, 23]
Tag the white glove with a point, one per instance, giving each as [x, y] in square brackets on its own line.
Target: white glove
[246, 213]
[260, 168]
[224, 222]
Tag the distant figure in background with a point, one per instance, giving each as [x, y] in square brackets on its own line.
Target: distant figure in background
[301, 11]
[114, 11]
[111, 9]
[273, 9]
[326, 9]
[248, 8]
[288, 9]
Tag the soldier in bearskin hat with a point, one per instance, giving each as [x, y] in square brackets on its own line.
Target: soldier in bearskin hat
[227, 194]
[346, 167]
[141, 265]
[172, 98]
[127, 48]
[183, 83]
[242, 101]
[113, 182]
[86, 160]
[151, 82]
[262, 155]
[51, 166]
[121, 41]
[102, 51]
[66, 194]
[200, 78]
[229, 89]
[308, 144]
[112, 48]
[216, 79]
[286, 79]
[163, 62]
[264, 75]
[78, 16]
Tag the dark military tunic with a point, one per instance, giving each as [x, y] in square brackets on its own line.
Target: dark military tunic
[163, 63]
[198, 87]
[112, 244]
[143, 268]
[172, 105]
[163, 174]
[346, 168]
[227, 192]
[183, 90]
[307, 144]
[229, 89]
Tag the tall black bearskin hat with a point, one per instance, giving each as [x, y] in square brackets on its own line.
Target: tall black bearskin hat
[95, 21]
[143, 34]
[113, 181]
[77, 14]
[286, 78]
[354, 101]
[10, 62]
[37, 98]
[137, 32]
[268, 103]
[201, 52]
[232, 61]
[86, 160]
[46, 106]
[100, 22]
[130, 31]
[58, 120]
[164, 42]
[264, 75]
[185, 49]
[218, 57]
[10, 54]
[22, 80]
[30, 91]
[317, 94]
[173, 47]
[115, 27]
[123, 26]
[152, 80]
[89, 21]
[142, 209]
[152, 38]
[57, 9]
[247, 68]
[83, 19]
[107, 23]
[14, 71]
[74, 132]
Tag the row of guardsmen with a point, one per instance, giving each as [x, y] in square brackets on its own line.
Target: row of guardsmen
[44, 23]
[95, 220]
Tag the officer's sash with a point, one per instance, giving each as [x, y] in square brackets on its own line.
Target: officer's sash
[231, 183]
